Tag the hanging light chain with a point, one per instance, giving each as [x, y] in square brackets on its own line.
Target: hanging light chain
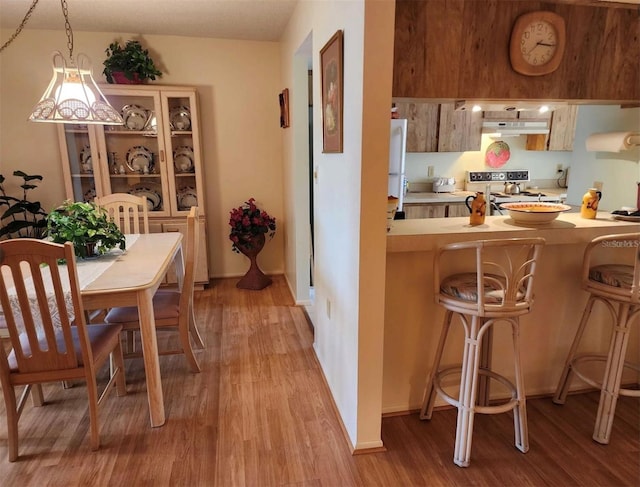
[21, 26]
[67, 28]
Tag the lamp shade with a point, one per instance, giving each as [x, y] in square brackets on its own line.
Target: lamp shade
[73, 96]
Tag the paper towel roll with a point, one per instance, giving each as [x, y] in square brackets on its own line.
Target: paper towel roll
[611, 141]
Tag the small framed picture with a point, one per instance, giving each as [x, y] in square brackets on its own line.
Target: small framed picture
[284, 108]
[331, 59]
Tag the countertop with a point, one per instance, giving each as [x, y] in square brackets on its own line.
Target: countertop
[424, 234]
[459, 196]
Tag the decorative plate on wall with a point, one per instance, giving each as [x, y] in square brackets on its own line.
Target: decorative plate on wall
[497, 155]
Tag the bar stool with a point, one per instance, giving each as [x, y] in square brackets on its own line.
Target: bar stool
[500, 290]
[617, 286]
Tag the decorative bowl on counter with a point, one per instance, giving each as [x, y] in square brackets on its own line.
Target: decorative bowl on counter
[534, 213]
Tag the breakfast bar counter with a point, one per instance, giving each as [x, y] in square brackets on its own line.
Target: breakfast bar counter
[413, 319]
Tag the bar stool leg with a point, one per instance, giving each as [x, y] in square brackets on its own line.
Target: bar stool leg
[520, 411]
[468, 393]
[612, 377]
[484, 385]
[429, 390]
[563, 385]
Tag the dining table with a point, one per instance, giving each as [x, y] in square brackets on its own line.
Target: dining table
[131, 278]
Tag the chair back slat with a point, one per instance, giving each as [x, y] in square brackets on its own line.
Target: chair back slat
[37, 343]
[190, 257]
[129, 212]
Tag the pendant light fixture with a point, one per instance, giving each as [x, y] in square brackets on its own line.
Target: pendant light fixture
[72, 95]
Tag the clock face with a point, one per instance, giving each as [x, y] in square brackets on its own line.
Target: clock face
[538, 43]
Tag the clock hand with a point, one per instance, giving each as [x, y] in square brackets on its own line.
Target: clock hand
[544, 44]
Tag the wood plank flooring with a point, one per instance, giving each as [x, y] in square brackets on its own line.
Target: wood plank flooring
[260, 414]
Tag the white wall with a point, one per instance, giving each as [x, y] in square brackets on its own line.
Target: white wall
[620, 172]
[350, 228]
[241, 135]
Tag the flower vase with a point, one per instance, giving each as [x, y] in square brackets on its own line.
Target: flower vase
[254, 279]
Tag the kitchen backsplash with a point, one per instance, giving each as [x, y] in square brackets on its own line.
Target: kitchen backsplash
[542, 165]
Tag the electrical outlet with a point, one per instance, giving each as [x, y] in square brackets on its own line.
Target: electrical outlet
[430, 171]
[328, 308]
[559, 168]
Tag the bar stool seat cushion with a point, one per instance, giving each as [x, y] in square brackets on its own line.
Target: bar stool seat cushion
[615, 275]
[464, 286]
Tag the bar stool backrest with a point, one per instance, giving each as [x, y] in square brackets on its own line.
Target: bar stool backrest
[614, 250]
[504, 273]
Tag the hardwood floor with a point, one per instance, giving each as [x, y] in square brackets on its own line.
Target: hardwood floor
[260, 414]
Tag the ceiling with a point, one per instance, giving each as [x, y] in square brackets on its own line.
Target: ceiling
[259, 20]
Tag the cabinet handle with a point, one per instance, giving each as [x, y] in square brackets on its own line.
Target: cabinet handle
[161, 156]
[168, 230]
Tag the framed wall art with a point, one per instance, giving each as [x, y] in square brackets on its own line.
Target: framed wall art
[331, 68]
[284, 108]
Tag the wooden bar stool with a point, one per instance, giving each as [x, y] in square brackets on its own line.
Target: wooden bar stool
[500, 290]
[617, 286]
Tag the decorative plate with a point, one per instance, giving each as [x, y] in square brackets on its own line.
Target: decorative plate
[135, 117]
[187, 197]
[89, 195]
[152, 122]
[86, 163]
[180, 118]
[183, 159]
[154, 199]
[497, 155]
[140, 159]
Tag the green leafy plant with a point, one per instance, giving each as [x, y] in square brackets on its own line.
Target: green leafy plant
[22, 218]
[85, 225]
[248, 221]
[132, 60]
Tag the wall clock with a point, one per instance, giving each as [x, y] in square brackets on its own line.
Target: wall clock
[537, 43]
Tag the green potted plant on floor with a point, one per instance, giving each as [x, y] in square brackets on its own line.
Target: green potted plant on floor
[130, 64]
[86, 226]
[21, 217]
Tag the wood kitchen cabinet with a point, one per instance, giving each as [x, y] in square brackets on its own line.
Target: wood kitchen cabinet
[434, 210]
[438, 127]
[562, 131]
[157, 153]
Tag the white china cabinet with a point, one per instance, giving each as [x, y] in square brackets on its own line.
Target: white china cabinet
[156, 153]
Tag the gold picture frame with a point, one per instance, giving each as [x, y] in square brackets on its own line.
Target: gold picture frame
[332, 80]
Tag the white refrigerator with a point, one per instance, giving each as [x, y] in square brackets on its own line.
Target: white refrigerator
[397, 150]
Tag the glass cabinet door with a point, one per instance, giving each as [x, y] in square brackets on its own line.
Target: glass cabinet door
[135, 152]
[81, 162]
[184, 168]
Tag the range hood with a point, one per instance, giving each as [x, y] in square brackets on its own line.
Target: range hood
[514, 127]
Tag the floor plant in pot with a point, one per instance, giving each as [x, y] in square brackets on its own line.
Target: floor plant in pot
[20, 217]
[86, 226]
[249, 227]
[129, 64]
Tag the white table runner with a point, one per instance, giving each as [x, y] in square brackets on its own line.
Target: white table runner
[88, 271]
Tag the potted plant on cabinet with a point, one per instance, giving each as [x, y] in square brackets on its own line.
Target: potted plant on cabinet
[130, 64]
[86, 226]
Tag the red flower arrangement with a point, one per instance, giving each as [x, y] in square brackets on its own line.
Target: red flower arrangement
[247, 222]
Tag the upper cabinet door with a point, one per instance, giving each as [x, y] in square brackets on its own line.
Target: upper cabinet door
[182, 146]
[81, 165]
[134, 154]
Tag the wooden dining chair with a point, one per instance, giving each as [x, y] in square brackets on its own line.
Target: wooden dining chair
[172, 308]
[129, 212]
[41, 351]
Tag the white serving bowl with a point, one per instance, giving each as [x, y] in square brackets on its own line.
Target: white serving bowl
[534, 213]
